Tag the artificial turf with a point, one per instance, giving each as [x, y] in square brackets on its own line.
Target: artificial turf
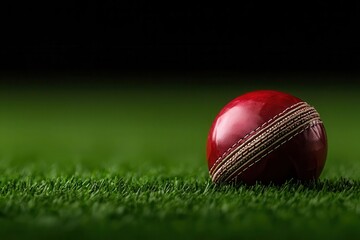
[130, 162]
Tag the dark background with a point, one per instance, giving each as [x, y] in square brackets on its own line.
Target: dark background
[130, 38]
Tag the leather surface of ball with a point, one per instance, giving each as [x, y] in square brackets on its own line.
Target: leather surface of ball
[266, 136]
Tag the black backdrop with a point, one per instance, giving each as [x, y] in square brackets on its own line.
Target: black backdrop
[129, 37]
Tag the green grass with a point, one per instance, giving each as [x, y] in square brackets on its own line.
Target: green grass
[126, 163]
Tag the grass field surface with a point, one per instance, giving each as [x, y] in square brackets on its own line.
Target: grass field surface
[130, 163]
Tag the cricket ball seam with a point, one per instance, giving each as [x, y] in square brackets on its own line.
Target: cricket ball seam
[290, 122]
[316, 122]
[260, 144]
[287, 122]
[300, 112]
[235, 145]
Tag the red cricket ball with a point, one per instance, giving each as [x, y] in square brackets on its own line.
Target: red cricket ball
[266, 136]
